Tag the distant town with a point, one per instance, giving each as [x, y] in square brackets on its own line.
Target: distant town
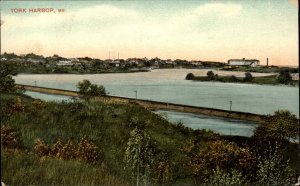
[33, 63]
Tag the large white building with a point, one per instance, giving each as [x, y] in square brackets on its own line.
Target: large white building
[243, 62]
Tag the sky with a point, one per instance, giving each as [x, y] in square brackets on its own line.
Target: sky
[208, 30]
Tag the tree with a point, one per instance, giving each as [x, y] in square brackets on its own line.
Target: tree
[274, 170]
[221, 177]
[210, 75]
[283, 125]
[284, 77]
[96, 90]
[248, 77]
[234, 78]
[7, 83]
[87, 89]
[190, 76]
[139, 155]
[84, 86]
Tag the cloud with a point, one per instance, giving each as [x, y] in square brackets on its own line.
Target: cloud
[206, 14]
[101, 14]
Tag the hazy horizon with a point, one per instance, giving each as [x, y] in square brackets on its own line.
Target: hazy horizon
[191, 30]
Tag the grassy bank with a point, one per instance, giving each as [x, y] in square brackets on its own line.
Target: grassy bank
[270, 69]
[45, 143]
[263, 80]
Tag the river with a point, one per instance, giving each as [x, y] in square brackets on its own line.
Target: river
[169, 85]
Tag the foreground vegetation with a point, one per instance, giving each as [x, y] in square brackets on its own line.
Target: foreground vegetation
[284, 77]
[95, 141]
[104, 143]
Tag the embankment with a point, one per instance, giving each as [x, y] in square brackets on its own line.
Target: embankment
[156, 105]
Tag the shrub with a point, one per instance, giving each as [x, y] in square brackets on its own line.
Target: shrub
[68, 151]
[7, 83]
[87, 151]
[222, 154]
[162, 172]
[15, 106]
[190, 76]
[87, 89]
[234, 78]
[248, 77]
[273, 170]
[56, 148]
[284, 77]
[220, 177]
[10, 137]
[210, 75]
[41, 148]
[283, 125]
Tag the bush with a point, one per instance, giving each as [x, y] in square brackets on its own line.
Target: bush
[248, 77]
[273, 170]
[85, 150]
[283, 125]
[284, 77]
[41, 148]
[87, 89]
[210, 75]
[220, 177]
[234, 78]
[190, 76]
[10, 137]
[7, 83]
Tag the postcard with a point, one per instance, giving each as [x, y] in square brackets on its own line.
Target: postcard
[150, 92]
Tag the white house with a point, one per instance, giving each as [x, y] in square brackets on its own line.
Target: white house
[243, 62]
[295, 77]
[116, 63]
[32, 60]
[64, 63]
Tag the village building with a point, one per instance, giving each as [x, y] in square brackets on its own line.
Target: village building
[295, 76]
[32, 60]
[64, 63]
[3, 59]
[115, 63]
[243, 62]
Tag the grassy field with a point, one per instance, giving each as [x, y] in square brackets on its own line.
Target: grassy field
[42, 144]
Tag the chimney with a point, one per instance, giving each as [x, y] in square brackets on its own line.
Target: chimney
[267, 62]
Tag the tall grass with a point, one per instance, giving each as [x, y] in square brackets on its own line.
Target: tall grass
[26, 169]
[108, 126]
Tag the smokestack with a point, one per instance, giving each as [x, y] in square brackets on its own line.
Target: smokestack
[267, 62]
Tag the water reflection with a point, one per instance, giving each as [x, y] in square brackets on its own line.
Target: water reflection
[217, 124]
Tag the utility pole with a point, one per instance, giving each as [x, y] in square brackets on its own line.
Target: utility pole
[135, 94]
[230, 102]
